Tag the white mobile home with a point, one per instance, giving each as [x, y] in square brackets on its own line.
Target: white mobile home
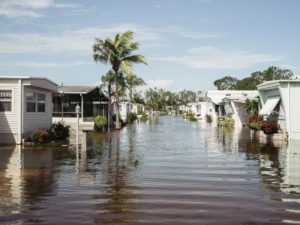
[199, 109]
[279, 100]
[229, 102]
[25, 105]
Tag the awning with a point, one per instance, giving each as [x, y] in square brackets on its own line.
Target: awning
[269, 106]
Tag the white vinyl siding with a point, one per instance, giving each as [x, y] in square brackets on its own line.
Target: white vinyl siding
[10, 120]
[35, 120]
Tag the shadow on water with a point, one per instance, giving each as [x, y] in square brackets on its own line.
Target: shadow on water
[167, 171]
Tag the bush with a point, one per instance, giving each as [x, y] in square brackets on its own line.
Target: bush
[100, 122]
[255, 122]
[225, 121]
[131, 117]
[59, 131]
[269, 127]
[144, 117]
[191, 117]
[208, 118]
[40, 136]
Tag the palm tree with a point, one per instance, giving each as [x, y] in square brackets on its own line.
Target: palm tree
[133, 81]
[118, 53]
[107, 82]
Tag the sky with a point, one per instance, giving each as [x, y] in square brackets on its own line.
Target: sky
[188, 43]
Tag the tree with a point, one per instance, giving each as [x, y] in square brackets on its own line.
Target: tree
[226, 83]
[256, 78]
[118, 53]
[248, 83]
[133, 81]
[251, 107]
[275, 73]
[107, 83]
[152, 99]
[186, 96]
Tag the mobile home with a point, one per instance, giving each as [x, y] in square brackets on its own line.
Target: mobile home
[25, 105]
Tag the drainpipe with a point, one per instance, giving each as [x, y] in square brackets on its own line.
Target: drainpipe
[21, 95]
[289, 108]
[81, 107]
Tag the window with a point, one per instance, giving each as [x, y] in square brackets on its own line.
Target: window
[30, 102]
[35, 102]
[41, 103]
[5, 100]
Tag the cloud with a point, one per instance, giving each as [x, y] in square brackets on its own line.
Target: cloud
[180, 31]
[30, 8]
[72, 40]
[44, 64]
[160, 83]
[208, 57]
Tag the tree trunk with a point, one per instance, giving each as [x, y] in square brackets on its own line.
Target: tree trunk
[118, 125]
[109, 113]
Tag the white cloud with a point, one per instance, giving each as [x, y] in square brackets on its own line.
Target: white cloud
[72, 40]
[160, 83]
[30, 8]
[180, 31]
[216, 58]
[45, 64]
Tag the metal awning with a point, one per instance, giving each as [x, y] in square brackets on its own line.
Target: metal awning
[269, 106]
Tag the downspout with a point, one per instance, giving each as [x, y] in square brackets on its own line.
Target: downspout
[21, 95]
[289, 108]
[81, 107]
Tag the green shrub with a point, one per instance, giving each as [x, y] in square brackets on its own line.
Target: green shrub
[100, 122]
[269, 127]
[208, 118]
[40, 136]
[144, 117]
[225, 121]
[59, 131]
[255, 122]
[131, 117]
[191, 117]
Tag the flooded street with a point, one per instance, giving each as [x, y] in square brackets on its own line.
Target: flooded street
[170, 171]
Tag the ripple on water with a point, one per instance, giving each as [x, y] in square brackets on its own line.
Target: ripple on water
[169, 172]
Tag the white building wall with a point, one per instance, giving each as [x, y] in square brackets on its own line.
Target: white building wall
[10, 121]
[37, 120]
[294, 115]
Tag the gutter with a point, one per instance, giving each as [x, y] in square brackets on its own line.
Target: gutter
[21, 95]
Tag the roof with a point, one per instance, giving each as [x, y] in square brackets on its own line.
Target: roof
[217, 96]
[76, 89]
[28, 78]
[274, 83]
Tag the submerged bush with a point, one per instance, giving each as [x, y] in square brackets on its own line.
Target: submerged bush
[225, 121]
[144, 117]
[269, 127]
[40, 136]
[255, 122]
[191, 117]
[131, 117]
[100, 122]
[59, 131]
[208, 118]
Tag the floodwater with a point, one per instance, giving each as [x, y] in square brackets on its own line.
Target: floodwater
[170, 171]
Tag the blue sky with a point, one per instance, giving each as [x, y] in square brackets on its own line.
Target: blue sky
[188, 43]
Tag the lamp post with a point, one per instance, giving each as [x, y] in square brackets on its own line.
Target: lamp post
[77, 110]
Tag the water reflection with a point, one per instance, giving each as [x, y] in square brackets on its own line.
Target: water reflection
[169, 171]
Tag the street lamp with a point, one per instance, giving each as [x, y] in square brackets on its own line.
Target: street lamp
[77, 111]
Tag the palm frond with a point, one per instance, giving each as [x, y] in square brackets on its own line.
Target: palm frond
[135, 59]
